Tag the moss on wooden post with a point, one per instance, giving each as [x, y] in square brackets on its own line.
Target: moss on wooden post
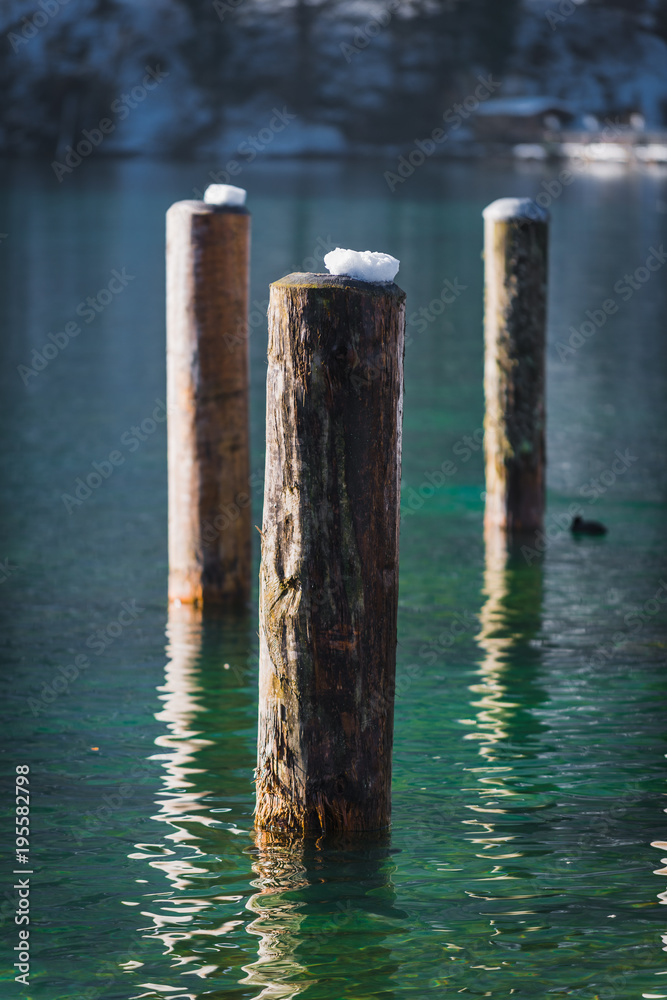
[329, 574]
[207, 402]
[515, 253]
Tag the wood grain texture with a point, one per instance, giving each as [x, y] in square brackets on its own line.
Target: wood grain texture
[515, 253]
[207, 402]
[329, 573]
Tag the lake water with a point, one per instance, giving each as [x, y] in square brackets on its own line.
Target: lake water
[526, 853]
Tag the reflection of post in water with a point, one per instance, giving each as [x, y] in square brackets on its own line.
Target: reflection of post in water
[320, 909]
[199, 691]
[324, 911]
[180, 695]
[661, 845]
[206, 802]
[280, 869]
[506, 693]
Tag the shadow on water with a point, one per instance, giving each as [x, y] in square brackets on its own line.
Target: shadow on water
[508, 690]
[244, 913]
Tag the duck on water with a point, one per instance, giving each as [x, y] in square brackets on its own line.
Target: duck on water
[581, 527]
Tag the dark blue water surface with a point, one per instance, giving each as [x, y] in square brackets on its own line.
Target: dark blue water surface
[526, 853]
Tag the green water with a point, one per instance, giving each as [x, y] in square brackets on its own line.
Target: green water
[529, 764]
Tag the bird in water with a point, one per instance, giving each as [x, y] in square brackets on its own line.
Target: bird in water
[581, 527]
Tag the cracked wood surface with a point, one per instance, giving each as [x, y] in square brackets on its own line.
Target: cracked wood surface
[515, 252]
[329, 572]
[207, 402]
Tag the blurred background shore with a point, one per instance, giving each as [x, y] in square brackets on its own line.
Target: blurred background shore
[231, 80]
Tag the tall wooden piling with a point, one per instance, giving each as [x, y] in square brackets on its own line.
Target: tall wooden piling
[329, 574]
[515, 254]
[207, 402]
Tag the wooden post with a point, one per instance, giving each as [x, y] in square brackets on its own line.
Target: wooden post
[207, 403]
[329, 574]
[515, 255]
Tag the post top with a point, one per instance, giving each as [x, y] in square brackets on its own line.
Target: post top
[506, 209]
[193, 207]
[311, 280]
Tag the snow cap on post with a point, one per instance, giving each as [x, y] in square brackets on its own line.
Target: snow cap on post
[365, 265]
[225, 194]
[505, 209]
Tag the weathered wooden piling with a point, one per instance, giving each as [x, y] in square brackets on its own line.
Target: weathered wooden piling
[207, 401]
[329, 574]
[515, 254]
